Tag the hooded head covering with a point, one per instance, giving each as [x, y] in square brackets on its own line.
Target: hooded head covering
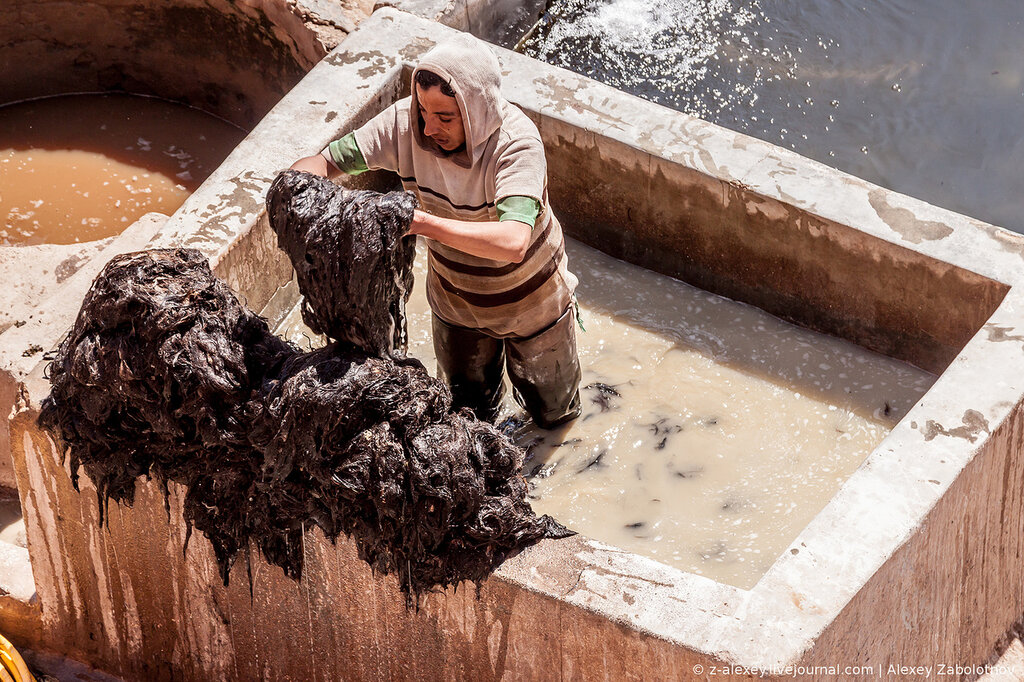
[473, 72]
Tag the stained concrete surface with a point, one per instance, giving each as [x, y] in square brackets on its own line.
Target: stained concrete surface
[34, 272]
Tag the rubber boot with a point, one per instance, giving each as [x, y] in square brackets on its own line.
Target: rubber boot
[471, 363]
[545, 371]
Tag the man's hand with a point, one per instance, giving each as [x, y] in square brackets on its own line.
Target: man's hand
[505, 241]
[316, 164]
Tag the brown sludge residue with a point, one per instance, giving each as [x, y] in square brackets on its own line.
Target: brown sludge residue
[76, 168]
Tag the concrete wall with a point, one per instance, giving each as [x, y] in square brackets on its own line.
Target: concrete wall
[730, 239]
[959, 573]
[130, 601]
[233, 59]
[918, 556]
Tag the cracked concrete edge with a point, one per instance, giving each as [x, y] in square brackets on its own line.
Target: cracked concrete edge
[325, 13]
[330, 21]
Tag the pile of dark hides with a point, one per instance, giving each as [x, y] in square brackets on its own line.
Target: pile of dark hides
[166, 374]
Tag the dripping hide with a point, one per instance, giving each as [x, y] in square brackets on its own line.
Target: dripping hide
[352, 263]
[166, 374]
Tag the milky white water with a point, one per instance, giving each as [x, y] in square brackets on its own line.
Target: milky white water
[712, 432]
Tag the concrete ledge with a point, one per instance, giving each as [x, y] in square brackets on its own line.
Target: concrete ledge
[33, 273]
[495, 21]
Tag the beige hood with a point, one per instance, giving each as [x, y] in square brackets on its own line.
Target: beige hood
[473, 72]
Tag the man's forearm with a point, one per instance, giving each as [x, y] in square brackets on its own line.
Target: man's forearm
[507, 240]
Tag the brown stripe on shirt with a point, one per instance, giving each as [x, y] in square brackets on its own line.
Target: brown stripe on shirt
[512, 295]
[443, 209]
[439, 195]
[496, 283]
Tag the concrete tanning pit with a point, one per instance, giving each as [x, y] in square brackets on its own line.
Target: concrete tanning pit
[232, 59]
[915, 559]
[124, 108]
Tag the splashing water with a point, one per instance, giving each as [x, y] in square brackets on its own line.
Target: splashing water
[923, 97]
[661, 48]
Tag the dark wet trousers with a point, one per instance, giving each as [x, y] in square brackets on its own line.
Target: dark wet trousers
[544, 369]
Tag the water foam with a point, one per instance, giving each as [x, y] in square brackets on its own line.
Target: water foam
[663, 48]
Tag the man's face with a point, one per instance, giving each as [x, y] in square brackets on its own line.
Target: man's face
[442, 120]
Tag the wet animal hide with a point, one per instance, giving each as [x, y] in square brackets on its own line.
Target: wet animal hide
[157, 370]
[166, 374]
[353, 266]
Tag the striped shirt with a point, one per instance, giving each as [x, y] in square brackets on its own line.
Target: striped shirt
[500, 298]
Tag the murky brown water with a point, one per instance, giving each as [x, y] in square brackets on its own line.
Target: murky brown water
[76, 168]
[925, 97]
[712, 432]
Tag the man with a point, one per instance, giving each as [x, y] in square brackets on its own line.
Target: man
[498, 283]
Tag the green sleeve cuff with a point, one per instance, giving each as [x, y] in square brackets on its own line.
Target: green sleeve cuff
[346, 155]
[523, 209]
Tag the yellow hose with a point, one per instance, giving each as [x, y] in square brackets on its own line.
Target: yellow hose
[14, 664]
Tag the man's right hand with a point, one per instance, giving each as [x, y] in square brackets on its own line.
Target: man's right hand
[316, 164]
